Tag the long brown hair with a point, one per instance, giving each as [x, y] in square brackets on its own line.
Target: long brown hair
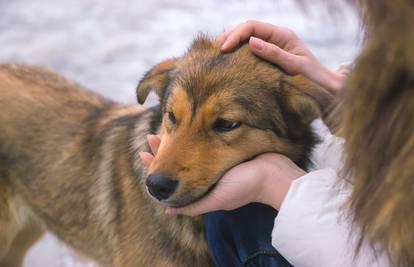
[377, 120]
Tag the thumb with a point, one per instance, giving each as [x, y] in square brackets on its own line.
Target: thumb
[272, 53]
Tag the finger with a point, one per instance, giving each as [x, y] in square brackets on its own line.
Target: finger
[223, 36]
[154, 143]
[270, 52]
[204, 205]
[147, 158]
[265, 31]
[237, 35]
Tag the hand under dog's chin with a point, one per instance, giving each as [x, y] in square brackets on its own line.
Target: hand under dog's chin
[176, 201]
[184, 199]
[181, 201]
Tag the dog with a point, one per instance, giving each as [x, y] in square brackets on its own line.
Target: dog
[69, 158]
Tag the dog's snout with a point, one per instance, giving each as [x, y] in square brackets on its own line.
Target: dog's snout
[160, 186]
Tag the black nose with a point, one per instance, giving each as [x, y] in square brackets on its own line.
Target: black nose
[160, 186]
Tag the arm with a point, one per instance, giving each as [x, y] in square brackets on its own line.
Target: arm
[313, 228]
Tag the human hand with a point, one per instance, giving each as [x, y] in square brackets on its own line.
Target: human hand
[283, 47]
[265, 179]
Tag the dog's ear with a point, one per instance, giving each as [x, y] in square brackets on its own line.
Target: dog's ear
[156, 79]
[308, 99]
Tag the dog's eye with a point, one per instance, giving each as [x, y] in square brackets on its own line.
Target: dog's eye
[222, 125]
[172, 117]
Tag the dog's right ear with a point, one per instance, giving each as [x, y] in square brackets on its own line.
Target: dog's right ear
[156, 79]
[308, 99]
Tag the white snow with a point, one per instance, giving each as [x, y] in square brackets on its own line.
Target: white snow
[108, 45]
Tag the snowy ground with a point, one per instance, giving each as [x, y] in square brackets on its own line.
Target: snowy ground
[107, 46]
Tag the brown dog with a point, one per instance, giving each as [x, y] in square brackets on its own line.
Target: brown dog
[69, 158]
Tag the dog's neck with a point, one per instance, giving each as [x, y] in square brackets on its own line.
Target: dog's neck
[129, 184]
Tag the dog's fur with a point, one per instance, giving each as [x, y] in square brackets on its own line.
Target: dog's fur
[378, 124]
[69, 158]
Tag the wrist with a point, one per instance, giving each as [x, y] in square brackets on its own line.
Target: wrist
[276, 191]
[276, 186]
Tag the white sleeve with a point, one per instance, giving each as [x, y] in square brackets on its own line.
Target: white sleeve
[311, 229]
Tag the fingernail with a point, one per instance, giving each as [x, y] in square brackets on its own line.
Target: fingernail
[257, 43]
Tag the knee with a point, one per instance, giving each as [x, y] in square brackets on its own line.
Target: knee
[252, 222]
[246, 220]
[218, 226]
[220, 238]
[242, 237]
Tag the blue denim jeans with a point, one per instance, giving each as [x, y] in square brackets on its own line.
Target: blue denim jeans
[242, 237]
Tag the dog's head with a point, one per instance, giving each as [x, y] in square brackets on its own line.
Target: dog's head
[220, 109]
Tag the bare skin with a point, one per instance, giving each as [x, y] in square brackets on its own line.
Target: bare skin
[283, 47]
[267, 178]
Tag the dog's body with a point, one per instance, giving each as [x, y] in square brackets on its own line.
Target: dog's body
[69, 163]
[69, 158]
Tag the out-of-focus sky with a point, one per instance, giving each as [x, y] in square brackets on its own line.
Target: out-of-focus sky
[108, 45]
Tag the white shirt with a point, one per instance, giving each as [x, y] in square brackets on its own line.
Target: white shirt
[312, 228]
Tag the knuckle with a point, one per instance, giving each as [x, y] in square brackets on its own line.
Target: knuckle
[290, 33]
[251, 24]
[294, 69]
[291, 65]
[272, 52]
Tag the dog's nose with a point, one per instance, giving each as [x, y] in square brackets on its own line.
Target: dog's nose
[160, 186]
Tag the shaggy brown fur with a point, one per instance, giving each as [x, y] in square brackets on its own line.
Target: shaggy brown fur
[69, 164]
[378, 124]
[69, 158]
[206, 86]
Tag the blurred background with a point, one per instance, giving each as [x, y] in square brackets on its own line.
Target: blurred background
[108, 45]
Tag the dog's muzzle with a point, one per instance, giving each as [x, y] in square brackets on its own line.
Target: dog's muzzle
[161, 187]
